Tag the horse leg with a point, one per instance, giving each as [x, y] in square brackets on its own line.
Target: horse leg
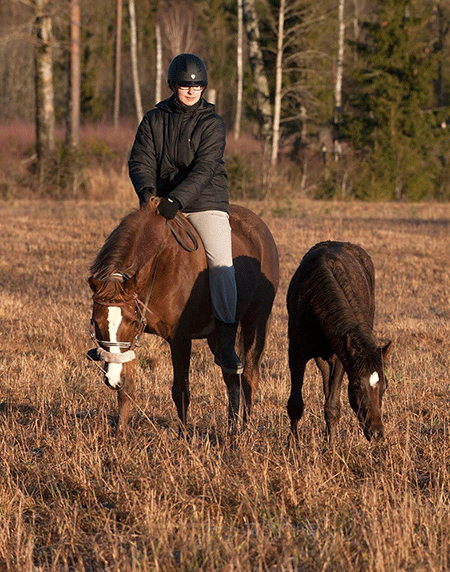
[253, 333]
[125, 396]
[332, 375]
[234, 395]
[181, 355]
[297, 365]
[232, 381]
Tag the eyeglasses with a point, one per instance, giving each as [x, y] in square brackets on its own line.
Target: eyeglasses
[188, 87]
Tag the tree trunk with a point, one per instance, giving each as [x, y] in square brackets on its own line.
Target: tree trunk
[240, 72]
[278, 85]
[260, 83]
[338, 85]
[340, 58]
[73, 117]
[45, 110]
[443, 29]
[159, 70]
[134, 65]
[118, 63]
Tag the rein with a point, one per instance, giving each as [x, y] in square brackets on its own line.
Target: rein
[178, 220]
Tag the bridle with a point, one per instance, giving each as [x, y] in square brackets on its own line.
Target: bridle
[101, 351]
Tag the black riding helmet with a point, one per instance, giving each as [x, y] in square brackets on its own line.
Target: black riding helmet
[187, 70]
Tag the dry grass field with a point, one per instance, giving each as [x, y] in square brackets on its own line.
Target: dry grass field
[73, 497]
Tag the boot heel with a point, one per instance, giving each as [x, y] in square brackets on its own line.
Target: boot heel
[225, 355]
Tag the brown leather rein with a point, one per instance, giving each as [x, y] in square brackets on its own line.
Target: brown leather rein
[181, 222]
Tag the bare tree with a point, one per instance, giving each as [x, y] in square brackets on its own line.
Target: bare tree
[118, 62]
[240, 70]
[260, 83]
[45, 110]
[158, 63]
[278, 84]
[338, 84]
[134, 64]
[442, 17]
[73, 117]
[177, 27]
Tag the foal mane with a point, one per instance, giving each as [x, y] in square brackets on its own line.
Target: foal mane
[118, 253]
[339, 311]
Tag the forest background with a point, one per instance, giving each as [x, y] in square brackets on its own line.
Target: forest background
[340, 98]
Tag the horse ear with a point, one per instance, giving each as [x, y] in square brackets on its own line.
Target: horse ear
[130, 284]
[93, 283]
[386, 350]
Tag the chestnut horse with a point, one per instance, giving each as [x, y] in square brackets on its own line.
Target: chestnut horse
[145, 280]
[331, 307]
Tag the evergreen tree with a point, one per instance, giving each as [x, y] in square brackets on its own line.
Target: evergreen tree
[389, 117]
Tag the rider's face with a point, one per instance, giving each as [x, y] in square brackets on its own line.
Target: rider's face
[189, 95]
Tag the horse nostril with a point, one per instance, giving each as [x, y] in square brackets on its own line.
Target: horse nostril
[378, 435]
[375, 432]
[115, 385]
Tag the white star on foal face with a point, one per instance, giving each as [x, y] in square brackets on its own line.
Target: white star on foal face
[374, 379]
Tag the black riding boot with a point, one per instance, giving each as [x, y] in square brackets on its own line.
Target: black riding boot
[225, 356]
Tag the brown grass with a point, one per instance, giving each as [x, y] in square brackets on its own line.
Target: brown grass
[72, 497]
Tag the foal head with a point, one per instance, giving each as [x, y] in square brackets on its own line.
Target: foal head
[367, 384]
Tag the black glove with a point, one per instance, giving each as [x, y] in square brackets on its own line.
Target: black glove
[144, 194]
[168, 207]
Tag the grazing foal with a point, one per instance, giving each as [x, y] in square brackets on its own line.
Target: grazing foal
[331, 309]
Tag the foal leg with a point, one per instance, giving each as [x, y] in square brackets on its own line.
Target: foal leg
[125, 396]
[297, 365]
[332, 374]
[181, 355]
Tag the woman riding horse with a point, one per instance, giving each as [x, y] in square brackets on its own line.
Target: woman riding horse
[178, 155]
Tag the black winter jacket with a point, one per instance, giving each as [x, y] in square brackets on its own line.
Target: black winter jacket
[178, 152]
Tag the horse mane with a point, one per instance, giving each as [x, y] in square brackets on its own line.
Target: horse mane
[341, 314]
[110, 290]
[117, 253]
[368, 357]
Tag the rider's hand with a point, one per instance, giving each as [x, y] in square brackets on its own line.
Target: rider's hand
[168, 207]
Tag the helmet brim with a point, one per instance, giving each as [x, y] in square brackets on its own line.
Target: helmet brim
[192, 83]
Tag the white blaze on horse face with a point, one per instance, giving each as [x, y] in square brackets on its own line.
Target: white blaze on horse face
[374, 379]
[114, 369]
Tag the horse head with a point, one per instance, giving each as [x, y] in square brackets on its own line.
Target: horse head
[117, 321]
[367, 384]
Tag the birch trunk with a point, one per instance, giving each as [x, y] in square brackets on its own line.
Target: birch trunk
[45, 110]
[340, 58]
[278, 85]
[158, 63]
[118, 63]
[134, 65]
[338, 85]
[240, 71]
[73, 119]
[260, 83]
